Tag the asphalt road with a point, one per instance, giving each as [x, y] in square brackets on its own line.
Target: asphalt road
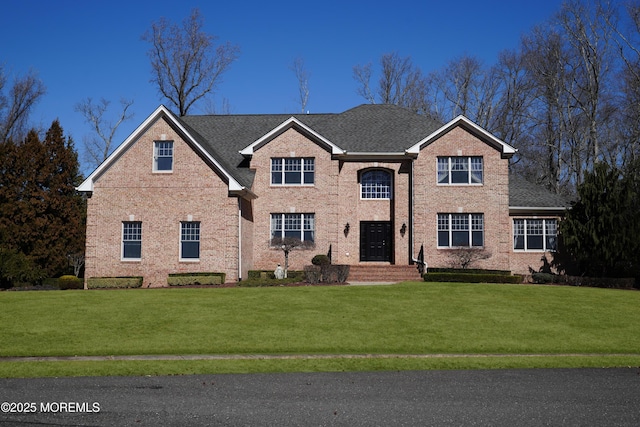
[535, 397]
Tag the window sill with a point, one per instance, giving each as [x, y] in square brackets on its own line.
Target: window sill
[189, 260]
[131, 259]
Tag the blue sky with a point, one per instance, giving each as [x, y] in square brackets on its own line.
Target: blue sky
[86, 48]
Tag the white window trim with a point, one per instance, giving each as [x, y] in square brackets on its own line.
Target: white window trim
[122, 257]
[389, 174]
[302, 218]
[199, 242]
[470, 231]
[282, 172]
[449, 164]
[155, 156]
[544, 235]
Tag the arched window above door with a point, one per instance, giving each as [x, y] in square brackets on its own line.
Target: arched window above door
[375, 184]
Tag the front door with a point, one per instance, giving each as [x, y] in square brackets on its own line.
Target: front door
[375, 241]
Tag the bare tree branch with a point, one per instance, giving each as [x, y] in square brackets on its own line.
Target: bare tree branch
[100, 146]
[302, 76]
[14, 110]
[186, 65]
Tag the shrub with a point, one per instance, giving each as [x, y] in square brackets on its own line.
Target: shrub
[113, 282]
[16, 269]
[70, 282]
[320, 259]
[328, 273]
[471, 278]
[268, 275]
[601, 282]
[184, 279]
[468, 271]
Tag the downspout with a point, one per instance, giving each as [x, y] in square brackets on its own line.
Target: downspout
[239, 239]
[411, 195]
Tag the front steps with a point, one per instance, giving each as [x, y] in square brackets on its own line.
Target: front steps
[383, 273]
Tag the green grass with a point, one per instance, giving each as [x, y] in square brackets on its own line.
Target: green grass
[410, 318]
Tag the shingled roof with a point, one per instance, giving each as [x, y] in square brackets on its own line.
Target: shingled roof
[524, 195]
[364, 129]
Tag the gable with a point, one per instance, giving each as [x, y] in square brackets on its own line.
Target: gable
[292, 123]
[163, 114]
[506, 150]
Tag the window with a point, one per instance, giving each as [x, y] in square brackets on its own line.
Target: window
[460, 170]
[535, 234]
[375, 184]
[189, 240]
[460, 230]
[132, 240]
[300, 226]
[292, 171]
[163, 156]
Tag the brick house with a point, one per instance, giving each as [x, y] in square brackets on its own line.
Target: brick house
[372, 185]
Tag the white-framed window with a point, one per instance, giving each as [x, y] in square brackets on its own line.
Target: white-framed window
[292, 171]
[460, 230]
[535, 234]
[190, 240]
[460, 170]
[296, 225]
[375, 184]
[163, 156]
[132, 240]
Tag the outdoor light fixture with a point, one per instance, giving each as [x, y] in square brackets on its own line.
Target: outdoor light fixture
[403, 229]
[346, 229]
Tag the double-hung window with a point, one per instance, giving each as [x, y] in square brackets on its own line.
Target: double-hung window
[535, 234]
[132, 240]
[190, 240]
[460, 170]
[163, 156]
[375, 184]
[292, 171]
[293, 225]
[460, 230]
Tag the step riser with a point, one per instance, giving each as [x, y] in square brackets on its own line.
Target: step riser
[383, 273]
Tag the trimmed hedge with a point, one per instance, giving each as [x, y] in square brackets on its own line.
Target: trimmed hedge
[114, 282]
[468, 271]
[592, 282]
[185, 279]
[267, 274]
[472, 277]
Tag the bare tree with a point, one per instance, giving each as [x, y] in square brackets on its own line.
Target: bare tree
[288, 244]
[302, 76]
[99, 146]
[400, 83]
[16, 106]
[590, 37]
[186, 64]
[465, 257]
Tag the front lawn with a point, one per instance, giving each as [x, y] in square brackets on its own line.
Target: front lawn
[405, 319]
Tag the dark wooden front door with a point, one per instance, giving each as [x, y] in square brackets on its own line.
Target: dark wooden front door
[375, 241]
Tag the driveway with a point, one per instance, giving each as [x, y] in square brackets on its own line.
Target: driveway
[535, 397]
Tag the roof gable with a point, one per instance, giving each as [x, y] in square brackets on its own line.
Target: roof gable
[163, 113]
[505, 149]
[291, 123]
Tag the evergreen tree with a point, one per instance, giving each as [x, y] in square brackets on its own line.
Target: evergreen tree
[41, 215]
[600, 232]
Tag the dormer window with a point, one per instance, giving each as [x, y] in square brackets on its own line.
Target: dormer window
[460, 170]
[163, 156]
